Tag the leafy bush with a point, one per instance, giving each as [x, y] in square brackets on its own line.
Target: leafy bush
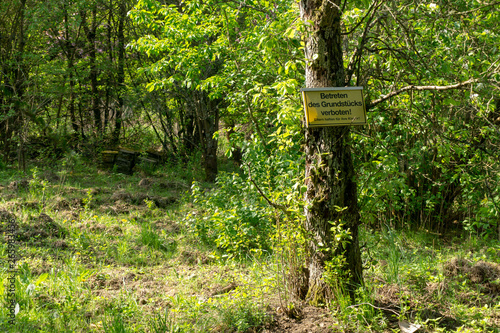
[235, 218]
[236, 214]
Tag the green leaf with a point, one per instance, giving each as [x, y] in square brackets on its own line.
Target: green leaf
[41, 279]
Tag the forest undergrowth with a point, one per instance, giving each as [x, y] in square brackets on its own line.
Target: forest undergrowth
[104, 252]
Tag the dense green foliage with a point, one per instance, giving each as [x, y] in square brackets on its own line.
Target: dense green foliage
[427, 149]
[426, 153]
[224, 76]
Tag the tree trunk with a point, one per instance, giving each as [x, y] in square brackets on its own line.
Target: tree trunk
[21, 78]
[69, 50]
[13, 82]
[121, 72]
[90, 32]
[207, 114]
[110, 79]
[329, 169]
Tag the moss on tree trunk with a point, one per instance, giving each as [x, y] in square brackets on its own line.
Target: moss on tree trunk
[331, 194]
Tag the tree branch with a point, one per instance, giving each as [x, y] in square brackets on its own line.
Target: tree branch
[421, 88]
[272, 204]
[373, 7]
[475, 9]
[356, 57]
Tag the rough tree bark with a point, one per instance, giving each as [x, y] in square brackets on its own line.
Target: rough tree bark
[70, 51]
[91, 34]
[207, 122]
[329, 169]
[13, 71]
[121, 72]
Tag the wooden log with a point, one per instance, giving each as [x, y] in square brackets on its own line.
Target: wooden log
[148, 163]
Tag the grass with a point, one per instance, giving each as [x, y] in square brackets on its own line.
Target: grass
[99, 253]
[444, 285]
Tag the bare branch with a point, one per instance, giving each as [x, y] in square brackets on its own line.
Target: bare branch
[272, 204]
[475, 9]
[356, 57]
[374, 6]
[373, 306]
[421, 88]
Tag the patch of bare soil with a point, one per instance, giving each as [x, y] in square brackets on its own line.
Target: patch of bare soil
[147, 288]
[164, 202]
[388, 299]
[145, 182]
[96, 227]
[77, 203]
[447, 322]
[69, 215]
[307, 320]
[35, 205]
[62, 204]
[169, 226]
[6, 217]
[121, 196]
[391, 294]
[194, 257]
[19, 184]
[118, 208]
[221, 290]
[99, 190]
[172, 185]
[482, 276]
[40, 227]
[51, 177]
[137, 199]
[59, 203]
[8, 196]
[113, 281]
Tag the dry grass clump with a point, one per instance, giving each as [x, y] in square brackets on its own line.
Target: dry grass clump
[40, 227]
[485, 274]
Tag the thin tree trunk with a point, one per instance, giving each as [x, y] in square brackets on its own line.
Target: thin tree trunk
[109, 68]
[121, 72]
[69, 50]
[207, 118]
[168, 132]
[90, 32]
[14, 78]
[21, 77]
[210, 154]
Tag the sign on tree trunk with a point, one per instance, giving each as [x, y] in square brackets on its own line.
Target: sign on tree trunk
[335, 106]
[331, 196]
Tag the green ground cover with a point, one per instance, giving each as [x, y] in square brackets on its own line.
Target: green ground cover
[105, 252]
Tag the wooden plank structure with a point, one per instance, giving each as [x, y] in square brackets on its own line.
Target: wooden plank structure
[108, 158]
[124, 160]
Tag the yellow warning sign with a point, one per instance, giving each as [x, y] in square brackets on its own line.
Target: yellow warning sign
[336, 106]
